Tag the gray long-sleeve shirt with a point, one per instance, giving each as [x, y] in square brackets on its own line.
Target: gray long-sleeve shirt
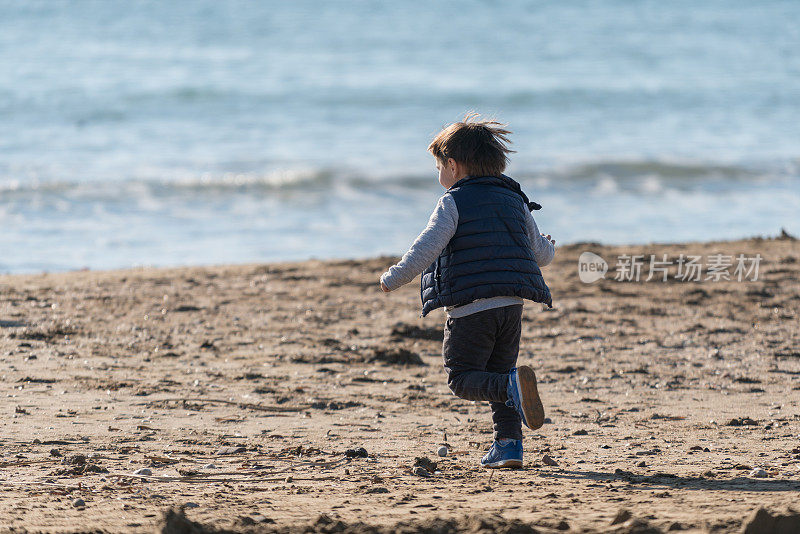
[434, 238]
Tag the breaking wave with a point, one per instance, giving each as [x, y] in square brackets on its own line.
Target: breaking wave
[643, 176]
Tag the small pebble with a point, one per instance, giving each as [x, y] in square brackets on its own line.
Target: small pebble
[546, 460]
[191, 505]
[249, 520]
[78, 503]
[230, 450]
[425, 463]
[421, 472]
[55, 452]
[442, 451]
[143, 471]
[642, 464]
[359, 452]
[758, 473]
[209, 466]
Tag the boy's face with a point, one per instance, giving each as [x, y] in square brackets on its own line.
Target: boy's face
[449, 172]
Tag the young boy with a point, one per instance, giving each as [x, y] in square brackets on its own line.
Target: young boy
[479, 257]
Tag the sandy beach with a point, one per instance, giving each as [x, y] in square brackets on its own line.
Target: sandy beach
[244, 394]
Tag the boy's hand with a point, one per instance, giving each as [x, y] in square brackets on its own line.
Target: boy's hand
[384, 288]
[549, 238]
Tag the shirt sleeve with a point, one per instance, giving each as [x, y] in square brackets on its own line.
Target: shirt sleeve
[427, 246]
[543, 249]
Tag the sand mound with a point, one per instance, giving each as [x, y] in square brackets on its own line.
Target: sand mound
[763, 522]
[175, 521]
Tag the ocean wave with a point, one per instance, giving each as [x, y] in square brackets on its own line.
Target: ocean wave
[177, 183]
[666, 170]
[644, 176]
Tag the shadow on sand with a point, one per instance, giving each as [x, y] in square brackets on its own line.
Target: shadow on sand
[669, 480]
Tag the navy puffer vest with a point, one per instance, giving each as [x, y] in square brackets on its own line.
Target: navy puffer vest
[490, 254]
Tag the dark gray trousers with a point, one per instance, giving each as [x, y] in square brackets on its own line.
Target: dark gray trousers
[479, 350]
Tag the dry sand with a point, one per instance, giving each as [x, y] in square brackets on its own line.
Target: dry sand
[662, 398]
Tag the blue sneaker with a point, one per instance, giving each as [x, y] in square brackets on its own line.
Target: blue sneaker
[524, 396]
[509, 455]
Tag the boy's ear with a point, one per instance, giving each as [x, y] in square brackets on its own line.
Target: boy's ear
[453, 166]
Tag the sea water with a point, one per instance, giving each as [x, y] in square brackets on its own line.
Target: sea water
[204, 132]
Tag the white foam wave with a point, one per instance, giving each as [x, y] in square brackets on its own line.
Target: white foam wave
[603, 177]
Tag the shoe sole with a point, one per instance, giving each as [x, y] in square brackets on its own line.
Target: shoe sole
[532, 409]
[504, 464]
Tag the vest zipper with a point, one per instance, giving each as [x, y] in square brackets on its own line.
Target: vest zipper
[437, 276]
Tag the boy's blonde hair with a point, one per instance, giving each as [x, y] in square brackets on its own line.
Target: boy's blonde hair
[478, 145]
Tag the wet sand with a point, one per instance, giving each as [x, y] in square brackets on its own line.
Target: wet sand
[240, 389]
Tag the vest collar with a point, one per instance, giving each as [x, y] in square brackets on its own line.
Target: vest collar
[502, 181]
